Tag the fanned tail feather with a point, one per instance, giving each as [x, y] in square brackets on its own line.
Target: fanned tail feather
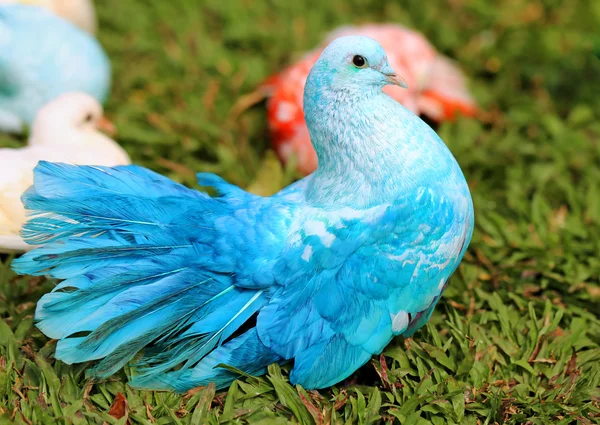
[246, 353]
[139, 268]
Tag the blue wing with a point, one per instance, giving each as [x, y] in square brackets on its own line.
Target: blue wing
[350, 280]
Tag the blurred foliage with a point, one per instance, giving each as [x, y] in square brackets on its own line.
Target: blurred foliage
[516, 338]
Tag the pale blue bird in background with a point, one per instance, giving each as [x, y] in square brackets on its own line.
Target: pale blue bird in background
[325, 273]
[41, 57]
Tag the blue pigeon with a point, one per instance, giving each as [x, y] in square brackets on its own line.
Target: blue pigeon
[41, 57]
[324, 273]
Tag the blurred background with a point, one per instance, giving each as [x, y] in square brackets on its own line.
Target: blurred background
[184, 81]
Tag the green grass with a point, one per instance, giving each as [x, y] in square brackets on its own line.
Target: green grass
[516, 337]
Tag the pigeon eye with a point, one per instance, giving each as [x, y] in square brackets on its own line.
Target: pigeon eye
[359, 61]
[89, 118]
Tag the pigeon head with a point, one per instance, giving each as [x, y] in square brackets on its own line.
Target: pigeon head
[68, 113]
[353, 64]
[347, 112]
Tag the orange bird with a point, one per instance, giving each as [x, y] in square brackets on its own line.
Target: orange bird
[436, 88]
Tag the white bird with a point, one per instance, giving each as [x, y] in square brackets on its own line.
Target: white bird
[64, 130]
[78, 12]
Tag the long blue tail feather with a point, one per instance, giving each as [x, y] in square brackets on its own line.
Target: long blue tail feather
[246, 353]
[136, 252]
[202, 337]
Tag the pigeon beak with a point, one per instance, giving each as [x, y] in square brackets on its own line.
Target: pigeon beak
[106, 126]
[395, 79]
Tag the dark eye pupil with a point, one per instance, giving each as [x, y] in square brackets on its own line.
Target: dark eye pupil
[358, 60]
[89, 117]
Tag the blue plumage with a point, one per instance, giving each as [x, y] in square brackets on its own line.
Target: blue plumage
[41, 57]
[332, 267]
